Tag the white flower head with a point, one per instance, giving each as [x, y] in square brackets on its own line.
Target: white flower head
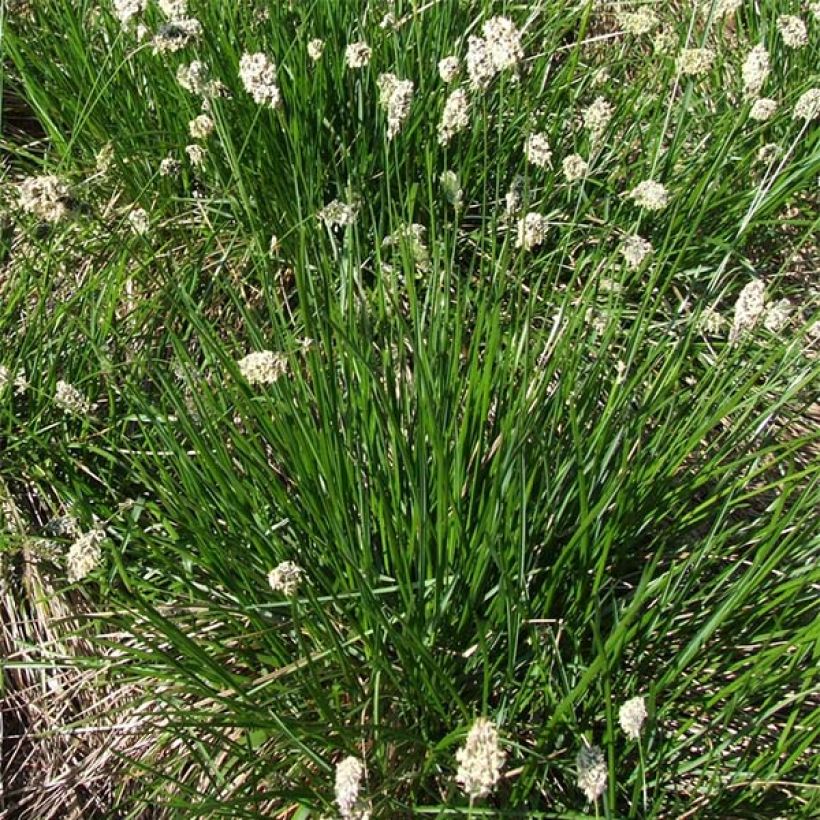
[694, 62]
[649, 195]
[176, 35]
[349, 773]
[194, 77]
[169, 167]
[262, 367]
[634, 250]
[357, 55]
[597, 116]
[196, 154]
[455, 117]
[793, 30]
[503, 41]
[768, 153]
[480, 760]
[285, 578]
[47, 197]
[338, 214]
[451, 188]
[631, 716]
[128, 10]
[749, 308]
[173, 9]
[807, 106]
[480, 66]
[448, 68]
[710, 322]
[84, 555]
[777, 316]
[395, 96]
[70, 400]
[17, 380]
[532, 231]
[258, 74]
[592, 772]
[763, 109]
[537, 150]
[641, 21]
[755, 71]
[139, 221]
[201, 127]
[575, 167]
[315, 49]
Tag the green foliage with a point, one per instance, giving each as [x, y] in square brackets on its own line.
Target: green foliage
[527, 485]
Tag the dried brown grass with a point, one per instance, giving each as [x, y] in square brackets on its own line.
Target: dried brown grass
[64, 739]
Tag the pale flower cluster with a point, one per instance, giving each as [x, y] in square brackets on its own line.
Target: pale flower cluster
[649, 195]
[631, 716]
[139, 221]
[537, 150]
[480, 67]
[193, 76]
[201, 127]
[694, 62]
[258, 75]
[592, 772]
[357, 55]
[793, 31]
[196, 154]
[315, 49]
[807, 106]
[349, 773]
[338, 214]
[532, 231]
[70, 400]
[173, 9]
[126, 10]
[755, 70]
[455, 117]
[285, 578]
[575, 167]
[597, 116]
[480, 760]
[777, 315]
[503, 42]
[499, 49]
[47, 197]
[395, 96]
[451, 188]
[17, 380]
[640, 21]
[634, 250]
[448, 68]
[749, 307]
[262, 367]
[84, 555]
[169, 167]
[176, 35]
[763, 109]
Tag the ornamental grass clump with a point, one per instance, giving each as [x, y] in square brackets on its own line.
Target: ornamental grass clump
[418, 362]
